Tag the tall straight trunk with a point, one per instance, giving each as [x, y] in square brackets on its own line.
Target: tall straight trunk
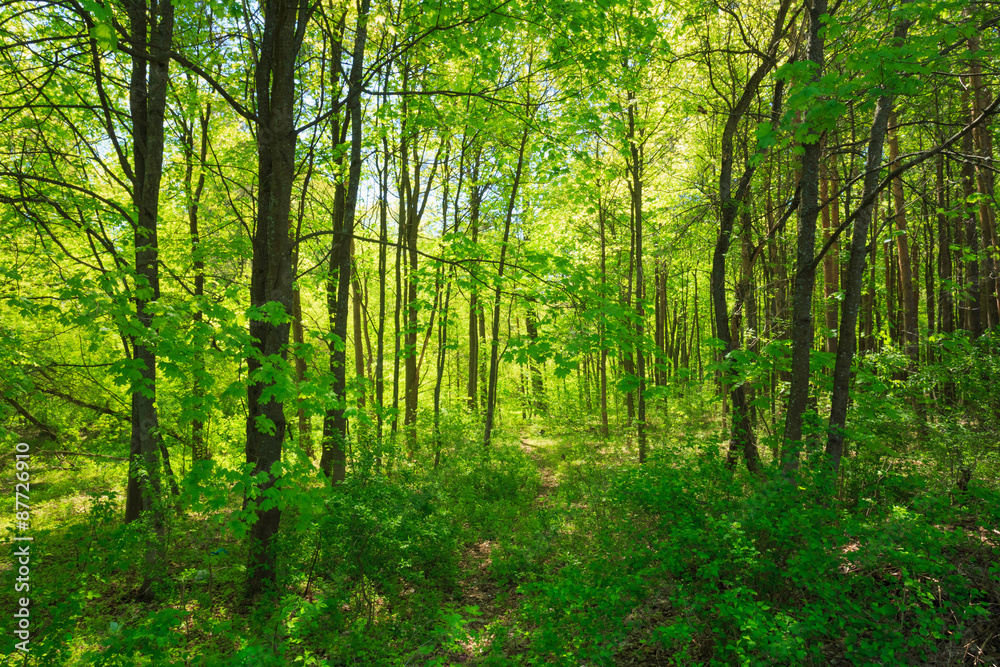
[930, 307]
[491, 397]
[410, 193]
[331, 443]
[945, 304]
[382, 251]
[911, 327]
[298, 340]
[831, 263]
[602, 327]
[442, 347]
[868, 299]
[891, 268]
[151, 30]
[805, 271]
[484, 360]
[356, 307]
[660, 317]
[741, 434]
[193, 193]
[397, 312]
[972, 292]
[628, 360]
[636, 154]
[475, 201]
[855, 272]
[271, 276]
[989, 286]
[537, 381]
[334, 459]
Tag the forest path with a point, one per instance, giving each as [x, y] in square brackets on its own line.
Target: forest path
[496, 601]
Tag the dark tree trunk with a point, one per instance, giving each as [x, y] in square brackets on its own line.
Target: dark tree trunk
[636, 166]
[831, 263]
[855, 272]
[475, 201]
[151, 33]
[910, 327]
[742, 438]
[271, 276]
[989, 286]
[199, 447]
[602, 327]
[972, 292]
[491, 399]
[537, 381]
[805, 271]
[945, 304]
[334, 459]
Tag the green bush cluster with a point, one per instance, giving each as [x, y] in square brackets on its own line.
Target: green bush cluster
[781, 576]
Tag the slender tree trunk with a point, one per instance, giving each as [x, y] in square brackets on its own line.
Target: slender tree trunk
[637, 158]
[359, 352]
[602, 327]
[298, 339]
[741, 435]
[855, 271]
[334, 458]
[831, 263]
[537, 382]
[910, 325]
[989, 286]
[151, 30]
[491, 399]
[271, 277]
[805, 272]
[380, 336]
[972, 291]
[199, 447]
[475, 197]
[945, 304]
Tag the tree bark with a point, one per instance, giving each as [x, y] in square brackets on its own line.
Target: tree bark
[151, 33]
[855, 272]
[334, 458]
[910, 329]
[805, 272]
[491, 397]
[271, 276]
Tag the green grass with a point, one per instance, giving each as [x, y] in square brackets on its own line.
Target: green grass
[553, 548]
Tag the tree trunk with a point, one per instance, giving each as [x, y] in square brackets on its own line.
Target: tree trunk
[945, 305]
[491, 397]
[602, 327]
[636, 164]
[359, 352]
[831, 263]
[334, 459]
[805, 272]
[271, 276]
[151, 31]
[989, 286]
[199, 447]
[972, 291]
[537, 381]
[910, 328]
[855, 272]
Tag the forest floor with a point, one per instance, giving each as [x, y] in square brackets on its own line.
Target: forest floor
[556, 548]
[489, 604]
